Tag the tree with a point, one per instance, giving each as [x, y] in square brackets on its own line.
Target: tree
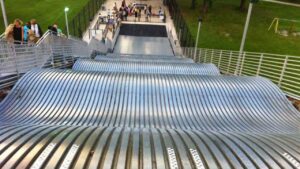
[206, 4]
[243, 5]
[193, 4]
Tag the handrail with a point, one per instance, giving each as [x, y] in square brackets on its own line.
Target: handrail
[283, 70]
[51, 51]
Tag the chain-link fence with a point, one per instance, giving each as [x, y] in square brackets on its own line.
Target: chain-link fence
[184, 35]
[82, 20]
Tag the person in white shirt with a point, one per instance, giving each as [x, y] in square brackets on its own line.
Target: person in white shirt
[36, 28]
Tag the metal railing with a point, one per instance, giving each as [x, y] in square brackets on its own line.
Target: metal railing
[283, 70]
[50, 52]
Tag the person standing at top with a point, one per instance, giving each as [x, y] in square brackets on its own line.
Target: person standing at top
[150, 9]
[36, 28]
[135, 13]
[115, 8]
[9, 33]
[26, 29]
[59, 31]
[139, 14]
[18, 32]
[123, 3]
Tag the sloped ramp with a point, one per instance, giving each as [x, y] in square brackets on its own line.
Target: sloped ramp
[34, 146]
[208, 103]
[146, 67]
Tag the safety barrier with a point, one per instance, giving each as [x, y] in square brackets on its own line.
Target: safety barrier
[283, 70]
[50, 51]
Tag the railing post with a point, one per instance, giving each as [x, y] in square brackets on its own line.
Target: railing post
[195, 54]
[283, 70]
[212, 56]
[229, 63]
[259, 64]
[35, 48]
[242, 64]
[15, 59]
[199, 55]
[220, 58]
[205, 55]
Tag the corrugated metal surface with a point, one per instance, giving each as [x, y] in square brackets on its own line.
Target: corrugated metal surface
[216, 103]
[32, 146]
[130, 111]
[146, 67]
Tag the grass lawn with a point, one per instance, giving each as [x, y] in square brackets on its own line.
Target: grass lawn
[46, 12]
[224, 25]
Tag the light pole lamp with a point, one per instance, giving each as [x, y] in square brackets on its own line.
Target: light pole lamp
[67, 23]
[197, 38]
[237, 70]
[4, 13]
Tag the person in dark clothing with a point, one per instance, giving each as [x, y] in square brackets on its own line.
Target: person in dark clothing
[150, 9]
[18, 32]
[135, 13]
[123, 3]
[53, 30]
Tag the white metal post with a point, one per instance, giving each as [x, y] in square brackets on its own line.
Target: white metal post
[220, 58]
[244, 38]
[242, 65]
[283, 70]
[259, 64]
[197, 40]
[229, 62]
[67, 23]
[212, 56]
[200, 52]
[4, 13]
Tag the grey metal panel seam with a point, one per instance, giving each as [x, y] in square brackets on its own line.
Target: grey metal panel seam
[101, 147]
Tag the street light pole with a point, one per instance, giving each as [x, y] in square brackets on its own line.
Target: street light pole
[67, 23]
[197, 40]
[244, 38]
[4, 13]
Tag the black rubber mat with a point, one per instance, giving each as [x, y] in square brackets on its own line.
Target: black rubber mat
[143, 30]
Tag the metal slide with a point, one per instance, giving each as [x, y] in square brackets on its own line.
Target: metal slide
[146, 67]
[209, 103]
[146, 112]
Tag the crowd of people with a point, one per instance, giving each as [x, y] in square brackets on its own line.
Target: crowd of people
[136, 10]
[30, 32]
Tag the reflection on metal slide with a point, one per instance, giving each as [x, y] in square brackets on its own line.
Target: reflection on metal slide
[134, 58]
[43, 146]
[143, 45]
[210, 103]
[146, 67]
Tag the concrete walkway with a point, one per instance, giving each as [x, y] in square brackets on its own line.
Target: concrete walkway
[156, 5]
